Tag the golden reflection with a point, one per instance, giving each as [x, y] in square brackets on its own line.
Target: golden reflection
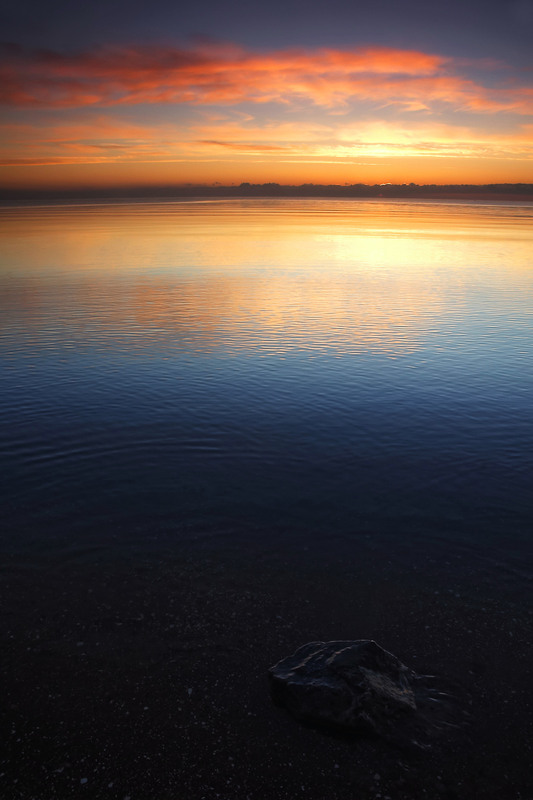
[266, 277]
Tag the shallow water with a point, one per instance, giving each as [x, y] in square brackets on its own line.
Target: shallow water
[272, 373]
[232, 427]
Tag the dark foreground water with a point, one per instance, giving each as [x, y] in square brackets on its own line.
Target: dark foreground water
[239, 426]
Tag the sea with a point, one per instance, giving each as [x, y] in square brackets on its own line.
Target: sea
[311, 370]
[231, 426]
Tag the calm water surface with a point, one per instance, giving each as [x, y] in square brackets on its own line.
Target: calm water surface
[278, 371]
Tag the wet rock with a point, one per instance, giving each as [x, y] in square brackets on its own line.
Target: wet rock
[358, 687]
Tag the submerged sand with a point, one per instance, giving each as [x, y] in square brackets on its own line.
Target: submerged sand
[138, 677]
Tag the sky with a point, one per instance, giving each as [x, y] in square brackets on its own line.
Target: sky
[115, 93]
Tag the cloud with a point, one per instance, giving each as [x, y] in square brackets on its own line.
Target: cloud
[244, 147]
[111, 141]
[226, 74]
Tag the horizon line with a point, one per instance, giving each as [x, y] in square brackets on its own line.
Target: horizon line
[272, 189]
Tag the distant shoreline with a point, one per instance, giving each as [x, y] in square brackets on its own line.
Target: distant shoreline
[497, 192]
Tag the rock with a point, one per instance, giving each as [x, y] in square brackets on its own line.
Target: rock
[358, 687]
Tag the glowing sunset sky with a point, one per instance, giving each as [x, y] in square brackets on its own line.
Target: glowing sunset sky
[341, 92]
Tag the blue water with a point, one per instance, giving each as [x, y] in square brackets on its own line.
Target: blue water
[267, 372]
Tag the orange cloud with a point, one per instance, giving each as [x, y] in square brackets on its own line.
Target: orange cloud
[90, 140]
[229, 75]
[244, 147]
[106, 140]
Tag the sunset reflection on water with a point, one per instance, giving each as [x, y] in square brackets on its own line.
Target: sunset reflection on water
[258, 277]
[329, 367]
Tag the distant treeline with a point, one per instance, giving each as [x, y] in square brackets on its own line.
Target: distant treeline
[494, 191]
[381, 190]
